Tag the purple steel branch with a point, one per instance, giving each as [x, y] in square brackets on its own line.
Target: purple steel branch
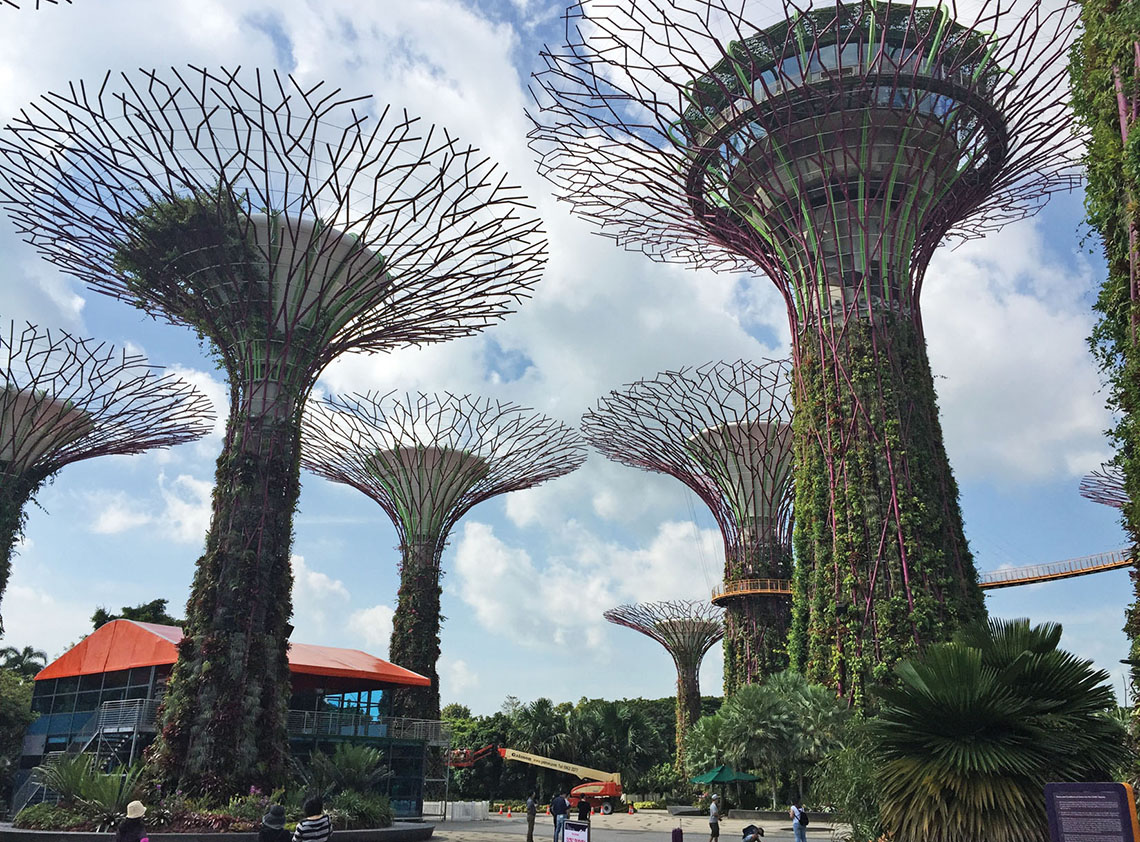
[1105, 486]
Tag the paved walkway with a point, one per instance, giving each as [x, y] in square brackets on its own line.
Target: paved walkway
[646, 826]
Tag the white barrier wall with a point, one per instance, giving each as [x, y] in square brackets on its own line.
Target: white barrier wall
[460, 811]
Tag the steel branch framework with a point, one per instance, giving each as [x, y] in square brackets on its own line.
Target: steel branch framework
[13, 4]
[833, 148]
[724, 430]
[427, 460]
[286, 224]
[64, 399]
[1106, 486]
[687, 629]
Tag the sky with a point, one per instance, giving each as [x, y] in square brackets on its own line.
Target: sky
[528, 575]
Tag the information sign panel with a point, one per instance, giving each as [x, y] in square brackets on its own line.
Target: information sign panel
[1091, 812]
[576, 831]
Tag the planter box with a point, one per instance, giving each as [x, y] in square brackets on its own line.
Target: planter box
[398, 832]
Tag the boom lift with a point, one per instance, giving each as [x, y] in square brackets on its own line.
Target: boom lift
[603, 791]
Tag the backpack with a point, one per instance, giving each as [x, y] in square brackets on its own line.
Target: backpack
[803, 817]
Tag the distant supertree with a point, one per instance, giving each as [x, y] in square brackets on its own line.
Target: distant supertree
[832, 148]
[13, 4]
[1106, 486]
[687, 629]
[286, 225]
[427, 460]
[64, 399]
[723, 429]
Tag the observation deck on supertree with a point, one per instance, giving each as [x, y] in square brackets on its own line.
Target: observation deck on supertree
[1105, 486]
[427, 460]
[63, 400]
[724, 430]
[286, 224]
[833, 148]
[687, 629]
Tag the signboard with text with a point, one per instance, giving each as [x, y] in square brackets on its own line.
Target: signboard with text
[1096, 812]
[576, 831]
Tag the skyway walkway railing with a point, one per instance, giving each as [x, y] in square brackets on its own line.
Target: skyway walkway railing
[1012, 576]
[750, 587]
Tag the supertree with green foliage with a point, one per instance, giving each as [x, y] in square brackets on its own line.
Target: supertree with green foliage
[833, 148]
[63, 400]
[725, 431]
[427, 460]
[286, 224]
[1105, 71]
[687, 629]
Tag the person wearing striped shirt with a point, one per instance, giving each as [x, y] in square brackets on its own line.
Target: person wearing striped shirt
[316, 826]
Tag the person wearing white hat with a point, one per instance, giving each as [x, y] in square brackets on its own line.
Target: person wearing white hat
[131, 829]
[714, 819]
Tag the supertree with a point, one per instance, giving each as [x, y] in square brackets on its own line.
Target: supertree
[724, 430]
[286, 225]
[1105, 486]
[64, 399]
[687, 629]
[427, 460]
[37, 3]
[832, 148]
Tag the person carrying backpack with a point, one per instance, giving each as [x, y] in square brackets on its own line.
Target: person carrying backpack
[799, 821]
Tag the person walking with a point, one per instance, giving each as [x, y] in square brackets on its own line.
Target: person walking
[714, 819]
[799, 821]
[316, 826]
[531, 812]
[559, 807]
[273, 826]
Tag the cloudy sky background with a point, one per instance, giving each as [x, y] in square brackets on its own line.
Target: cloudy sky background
[528, 575]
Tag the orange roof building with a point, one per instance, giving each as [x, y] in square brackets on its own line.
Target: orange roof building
[103, 694]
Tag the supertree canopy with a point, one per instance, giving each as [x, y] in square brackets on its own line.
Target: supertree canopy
[833, 148]
[724, 430]
[286, 225]
[1106, 486]
[427, 460]
[64, 399]
[687, 629]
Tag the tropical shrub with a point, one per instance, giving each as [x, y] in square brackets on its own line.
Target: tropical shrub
[975, 728]
[105, 796]
[48, 816]
[351, 809]
[845, 779]
[66, 776]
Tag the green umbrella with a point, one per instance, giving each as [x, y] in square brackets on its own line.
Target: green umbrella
[723, 775]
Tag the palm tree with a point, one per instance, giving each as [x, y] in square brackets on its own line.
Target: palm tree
[24, 662]
[976, 728]
[541, 729]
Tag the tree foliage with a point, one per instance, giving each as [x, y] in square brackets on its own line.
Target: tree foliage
[966, 742]
[25, 662]
[145, 612]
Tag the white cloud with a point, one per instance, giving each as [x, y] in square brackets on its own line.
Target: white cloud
[119, 514]
[317, 599]
[455, 678]
[187, 506]
[374, 628]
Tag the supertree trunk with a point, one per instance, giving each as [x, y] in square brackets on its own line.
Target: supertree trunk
[885, 568]
[415, 630]
[756, 625]
[688, 709]
[226, 703]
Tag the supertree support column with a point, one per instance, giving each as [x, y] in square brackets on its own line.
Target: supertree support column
[286, 225]
[724, 430]
[1106, 486]
[427, 460]
[687, 629]
[64, 399]
[833, 149]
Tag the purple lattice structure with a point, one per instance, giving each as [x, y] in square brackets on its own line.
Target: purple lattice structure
[724, 430]
[287, 224]
[427, 460]
[13, 4]
[833, 148]
[1105, 486]
[63, 400]
[687, 629]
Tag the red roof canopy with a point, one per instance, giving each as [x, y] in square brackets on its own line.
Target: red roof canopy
[124, 644]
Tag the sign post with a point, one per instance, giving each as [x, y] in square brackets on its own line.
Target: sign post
[1091, 812]
[574, 831]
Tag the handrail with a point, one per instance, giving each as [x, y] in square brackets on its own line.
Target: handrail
[746, 587]
[1011, 576]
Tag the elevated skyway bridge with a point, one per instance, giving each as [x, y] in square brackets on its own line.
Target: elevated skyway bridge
[1006, 577]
